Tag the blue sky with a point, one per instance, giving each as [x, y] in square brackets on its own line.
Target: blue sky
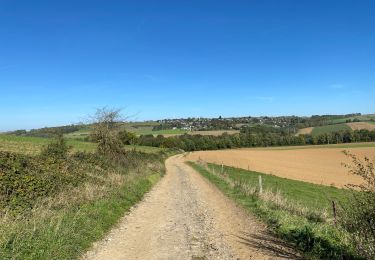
[59, 60]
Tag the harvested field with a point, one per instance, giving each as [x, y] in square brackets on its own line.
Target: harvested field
[305, 131]
[315, 165]
[361, 125]
[213, 132]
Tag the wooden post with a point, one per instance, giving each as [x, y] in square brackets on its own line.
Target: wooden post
[334, 212]
[260, 185]
[222, 167]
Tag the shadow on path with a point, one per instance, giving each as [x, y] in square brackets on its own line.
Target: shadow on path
[268, 244]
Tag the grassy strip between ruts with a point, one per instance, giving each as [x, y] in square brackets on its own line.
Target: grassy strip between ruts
[302, 222]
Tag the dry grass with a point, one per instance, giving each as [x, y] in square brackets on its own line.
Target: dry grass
[315, 165]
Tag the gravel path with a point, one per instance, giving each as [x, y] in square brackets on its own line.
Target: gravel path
[186, 217]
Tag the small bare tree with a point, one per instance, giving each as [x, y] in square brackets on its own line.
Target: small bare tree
[105, 123]
[358, 217]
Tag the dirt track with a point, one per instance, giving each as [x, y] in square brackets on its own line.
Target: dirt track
[186, 217]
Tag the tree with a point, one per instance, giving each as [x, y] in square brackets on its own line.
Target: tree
[105, 123]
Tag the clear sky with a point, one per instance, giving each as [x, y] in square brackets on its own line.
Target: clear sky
[59, 60]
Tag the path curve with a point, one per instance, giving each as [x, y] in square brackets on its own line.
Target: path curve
[186, 217]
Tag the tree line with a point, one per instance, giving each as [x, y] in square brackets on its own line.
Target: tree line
[253, 137]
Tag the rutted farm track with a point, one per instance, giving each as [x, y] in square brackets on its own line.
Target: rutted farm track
[185, 217]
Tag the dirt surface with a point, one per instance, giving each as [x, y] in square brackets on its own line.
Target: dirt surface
[213, 132]
[361, 125]
[305, 131]
[315, 165]
[186, 217]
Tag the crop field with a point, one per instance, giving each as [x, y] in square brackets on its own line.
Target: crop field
[343, 120]
[213, 133]
[305, 131]
[146, 128]
[340, 126]
[78, 135]
[319, 165]
[361, 125]
[329, 129]
[33, 145]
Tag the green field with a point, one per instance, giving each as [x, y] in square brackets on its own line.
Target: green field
[33, 145]
[361, 118]
[78, 135]
[141, 128]
[319, 130]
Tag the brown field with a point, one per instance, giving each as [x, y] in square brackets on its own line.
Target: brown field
[315, 165]
[214, 133]
[305, 131]
[361, 125]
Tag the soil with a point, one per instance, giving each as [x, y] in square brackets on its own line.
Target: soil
[315, 165]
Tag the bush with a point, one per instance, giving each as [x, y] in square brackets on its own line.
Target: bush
[105, 123]
[358, 217]
[57, 149]
[25, 179]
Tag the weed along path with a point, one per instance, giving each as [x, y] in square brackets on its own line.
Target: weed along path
[186, 217]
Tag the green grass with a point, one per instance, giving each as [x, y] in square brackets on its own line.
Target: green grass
[71, 231]
[361, 118]
[78, 135]
[142, 128]
[319, 130]
[307, 194]
[33, 145]
[145, 149]
[315, 237]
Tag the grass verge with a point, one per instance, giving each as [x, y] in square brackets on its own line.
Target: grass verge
[64, 224]
[295, 211]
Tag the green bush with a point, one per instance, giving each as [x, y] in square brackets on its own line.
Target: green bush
[56, 150]
[25, 179]
[358, 216]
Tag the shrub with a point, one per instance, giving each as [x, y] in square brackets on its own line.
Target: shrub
[105, 124]
[57, 149]
[358, 216]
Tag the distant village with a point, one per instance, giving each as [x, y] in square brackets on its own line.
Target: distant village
[236, 123]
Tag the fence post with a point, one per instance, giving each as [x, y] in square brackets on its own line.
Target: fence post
[334, 212]
[222, 167]
[260, 185]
